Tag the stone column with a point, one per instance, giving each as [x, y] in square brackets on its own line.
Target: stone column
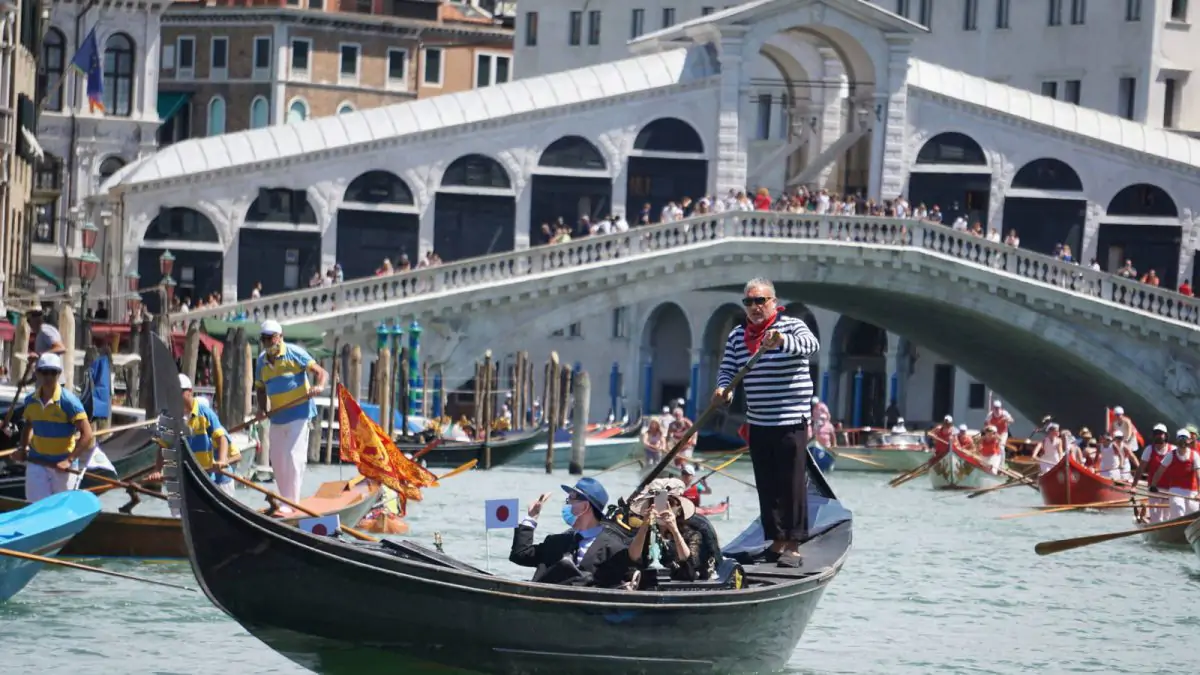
[329, 239]
[831, 120]
[1188, 246]
[524, 199]
[229, 271]
[620, 190]
[1091, 234]
[425, 229]
[731, 155]
[890, 118]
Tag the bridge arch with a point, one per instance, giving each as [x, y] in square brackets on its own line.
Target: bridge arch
[1046, 206]
[474, 209]
[571, 181]
[378, 218]
[667, 357]
[195, 242]
[952, 172]
[667, 163]
[282, 236]
[1141, 225]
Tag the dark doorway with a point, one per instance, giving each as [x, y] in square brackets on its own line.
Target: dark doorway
[943, 391]
[282, 261]
[467, 226]
[196, 274]
[1150, 247]
[965, 195]
[365, 238]
[657, 182]
[672, 391]
[567, 197]
[1043, 223]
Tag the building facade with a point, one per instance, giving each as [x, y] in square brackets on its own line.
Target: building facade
[228, 67]
[20, 27]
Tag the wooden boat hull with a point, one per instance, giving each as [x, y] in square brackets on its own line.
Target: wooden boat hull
[43, 529]
[955, 471]
[883, 460]
[292, 589]
[599, 455]
[1069, 482]
[1192, 534]
[1171, 537]
[453, 454]
[121, 535]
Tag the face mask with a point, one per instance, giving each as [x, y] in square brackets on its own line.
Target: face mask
[568, 514]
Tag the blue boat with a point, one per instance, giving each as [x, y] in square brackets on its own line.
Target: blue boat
[822, 457]
[42, 528]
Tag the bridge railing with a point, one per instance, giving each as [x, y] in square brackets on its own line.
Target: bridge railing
[581, 253]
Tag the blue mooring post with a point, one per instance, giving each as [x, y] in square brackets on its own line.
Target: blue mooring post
[825, 387]
[894, 389]
[397, 352]
[415, 383]
[437, 395]
[858, 385]
[648, 390]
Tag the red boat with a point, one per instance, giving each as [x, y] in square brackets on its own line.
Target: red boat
[1084, 487]
[715, 509]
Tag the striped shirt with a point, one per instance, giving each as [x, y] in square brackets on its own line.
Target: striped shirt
[53, 423]
[286, 380]
[779, 388]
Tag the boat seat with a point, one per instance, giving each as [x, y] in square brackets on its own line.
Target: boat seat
[729, 576]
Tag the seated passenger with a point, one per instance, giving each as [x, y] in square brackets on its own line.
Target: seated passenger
[592, 553]
[688, 541]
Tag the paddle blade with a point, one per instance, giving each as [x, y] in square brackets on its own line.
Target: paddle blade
[1060, 545]
[465, 467]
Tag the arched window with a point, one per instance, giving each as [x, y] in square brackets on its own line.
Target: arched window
[281, 205]
[1048, 174]
[109, 166]
[118, 75]
[260, 113]
[182, 224]
[345, 108]
[476, 171]
[669, 135]
[1143, 200]
[52, 67]
[573, 152]
[952, 148]
[297, 111]
[216, 116]
[379, 187]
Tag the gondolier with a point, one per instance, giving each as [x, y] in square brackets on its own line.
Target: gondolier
[207, 438]
[53, 416]
[778, 412]
[1001, 420]
[281, 379]
[1179, 476]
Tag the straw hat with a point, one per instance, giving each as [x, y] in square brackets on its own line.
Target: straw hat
[674, 488]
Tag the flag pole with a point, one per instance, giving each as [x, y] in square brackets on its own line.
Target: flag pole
[58, 87]
[487, 550]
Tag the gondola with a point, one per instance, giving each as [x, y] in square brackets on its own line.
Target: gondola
[1063, 486]
[500, 450]
[294, 591]
[957, 470]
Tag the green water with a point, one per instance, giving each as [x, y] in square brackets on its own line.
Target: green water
[935, 583]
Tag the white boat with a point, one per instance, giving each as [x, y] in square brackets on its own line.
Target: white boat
[888, 452]
[600, 454]
[957, 471]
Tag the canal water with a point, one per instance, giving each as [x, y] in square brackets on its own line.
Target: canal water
[935, 584]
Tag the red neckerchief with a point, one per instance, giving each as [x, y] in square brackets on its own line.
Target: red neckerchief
[754, 334]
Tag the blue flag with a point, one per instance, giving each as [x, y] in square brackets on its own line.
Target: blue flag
[97, 398]
[87, 62]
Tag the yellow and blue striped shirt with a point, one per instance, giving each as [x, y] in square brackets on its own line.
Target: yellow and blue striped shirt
[53, 424]
[205, 429]
[286, 380]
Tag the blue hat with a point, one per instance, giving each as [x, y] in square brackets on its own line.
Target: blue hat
[591, 490]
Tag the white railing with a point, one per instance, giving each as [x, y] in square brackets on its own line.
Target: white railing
[481, 272]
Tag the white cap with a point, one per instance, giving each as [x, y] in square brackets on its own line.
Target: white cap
[49, 361]
[1160, 427]
[1118, 410]
[185, 383]
[689, 469]
[271, 327]
[815, 399]
[1183, 433]
[947, 418]
[962, 427]
[899, 420]
[997, 404]
[989, 427]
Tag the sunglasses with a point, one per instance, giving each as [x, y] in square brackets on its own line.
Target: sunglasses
[760, 301]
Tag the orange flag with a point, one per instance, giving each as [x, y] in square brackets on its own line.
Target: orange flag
[362, 442]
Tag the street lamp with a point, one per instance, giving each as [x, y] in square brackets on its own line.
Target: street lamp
[166, 263]
[134, 302]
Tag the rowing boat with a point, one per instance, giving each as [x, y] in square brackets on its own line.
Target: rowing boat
[1068, 483]
[41, 529]
[1192, 534]
[599, 454]
[715, 510]
[957, 470]
[887, 451]
[1168, 537]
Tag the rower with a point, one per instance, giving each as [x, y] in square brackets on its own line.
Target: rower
[898, 427]
[693, 489]
[676, 430]
[282, 379]
[819, 408]
[1152, 458]
[207, 440]
[991, 449]
[942, 434]
[1179, 475]
[1001, 420]
[53, 416]
[1112, 451]
[1128, 430]
[963, 440]
[46, 338]
[1048, 453]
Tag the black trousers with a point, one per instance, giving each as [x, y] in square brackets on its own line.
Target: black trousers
[781, 473]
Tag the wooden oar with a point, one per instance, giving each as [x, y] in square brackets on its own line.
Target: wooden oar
[857, 458]
[914, 473]
[102, 489]
[1060, 545]
[695, 428]
[730, 476]
[98, 478]
[983, 491]
[33, 557]
[464, 468]
[428, 448]
[6, 453]
[348, 530]
[262, 416]
[125, 427]
[1070, 507]
[619, 465]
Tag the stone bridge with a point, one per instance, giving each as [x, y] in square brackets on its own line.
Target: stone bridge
[1045, 335]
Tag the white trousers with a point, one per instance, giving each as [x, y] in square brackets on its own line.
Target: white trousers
[289, 456]
[1183, 502]
[994, 462]
[1004, 443]
[43, 481]
[1156, 513]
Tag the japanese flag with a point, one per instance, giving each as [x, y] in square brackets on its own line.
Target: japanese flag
[501, 513]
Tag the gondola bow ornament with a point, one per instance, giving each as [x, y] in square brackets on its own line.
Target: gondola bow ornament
[363, 443]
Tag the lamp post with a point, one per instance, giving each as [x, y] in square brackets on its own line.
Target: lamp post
[166, 263]
[134, 303]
